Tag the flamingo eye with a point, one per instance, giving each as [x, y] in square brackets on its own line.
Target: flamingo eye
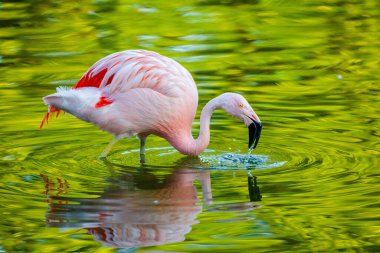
[241, 105]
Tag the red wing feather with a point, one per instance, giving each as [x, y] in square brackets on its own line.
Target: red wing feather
[103, 101]
[93, 80]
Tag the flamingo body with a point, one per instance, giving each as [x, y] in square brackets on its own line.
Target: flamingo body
[137, 92]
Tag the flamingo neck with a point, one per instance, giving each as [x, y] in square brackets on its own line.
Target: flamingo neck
[184, 141]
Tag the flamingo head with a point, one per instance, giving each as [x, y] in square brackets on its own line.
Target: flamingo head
[237, 106]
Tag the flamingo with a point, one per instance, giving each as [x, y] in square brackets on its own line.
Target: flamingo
[139, 93]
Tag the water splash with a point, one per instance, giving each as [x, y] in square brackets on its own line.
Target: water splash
[241, 161]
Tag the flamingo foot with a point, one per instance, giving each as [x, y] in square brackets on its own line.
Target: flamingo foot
[142, 158]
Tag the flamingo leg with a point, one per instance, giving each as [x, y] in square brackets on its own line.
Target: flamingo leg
[108, 148]
[205, 179]
[142, 148]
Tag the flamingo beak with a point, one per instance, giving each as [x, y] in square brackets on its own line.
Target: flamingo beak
[254, 130]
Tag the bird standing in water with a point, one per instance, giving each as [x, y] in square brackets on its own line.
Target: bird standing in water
[138, 93]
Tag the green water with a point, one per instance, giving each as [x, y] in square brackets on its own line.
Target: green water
[310, 69]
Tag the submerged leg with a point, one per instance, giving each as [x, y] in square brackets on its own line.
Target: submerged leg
[142, 148]
[108, 148]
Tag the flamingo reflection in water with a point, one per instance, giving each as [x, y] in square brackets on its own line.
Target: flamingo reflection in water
[139, 209]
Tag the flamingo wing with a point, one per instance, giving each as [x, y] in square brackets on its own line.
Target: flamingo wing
[122, 71]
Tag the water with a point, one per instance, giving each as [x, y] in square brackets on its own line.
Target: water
[310, 69]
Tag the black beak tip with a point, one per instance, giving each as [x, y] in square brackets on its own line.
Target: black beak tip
[254, 130]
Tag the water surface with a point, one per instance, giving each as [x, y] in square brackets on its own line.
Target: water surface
[310, 69]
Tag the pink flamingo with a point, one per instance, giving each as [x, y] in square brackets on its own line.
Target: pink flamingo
[138, 93]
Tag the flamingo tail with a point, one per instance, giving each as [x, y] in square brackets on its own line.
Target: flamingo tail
[49, 115]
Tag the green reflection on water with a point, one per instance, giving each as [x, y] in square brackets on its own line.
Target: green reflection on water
[309, 68]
